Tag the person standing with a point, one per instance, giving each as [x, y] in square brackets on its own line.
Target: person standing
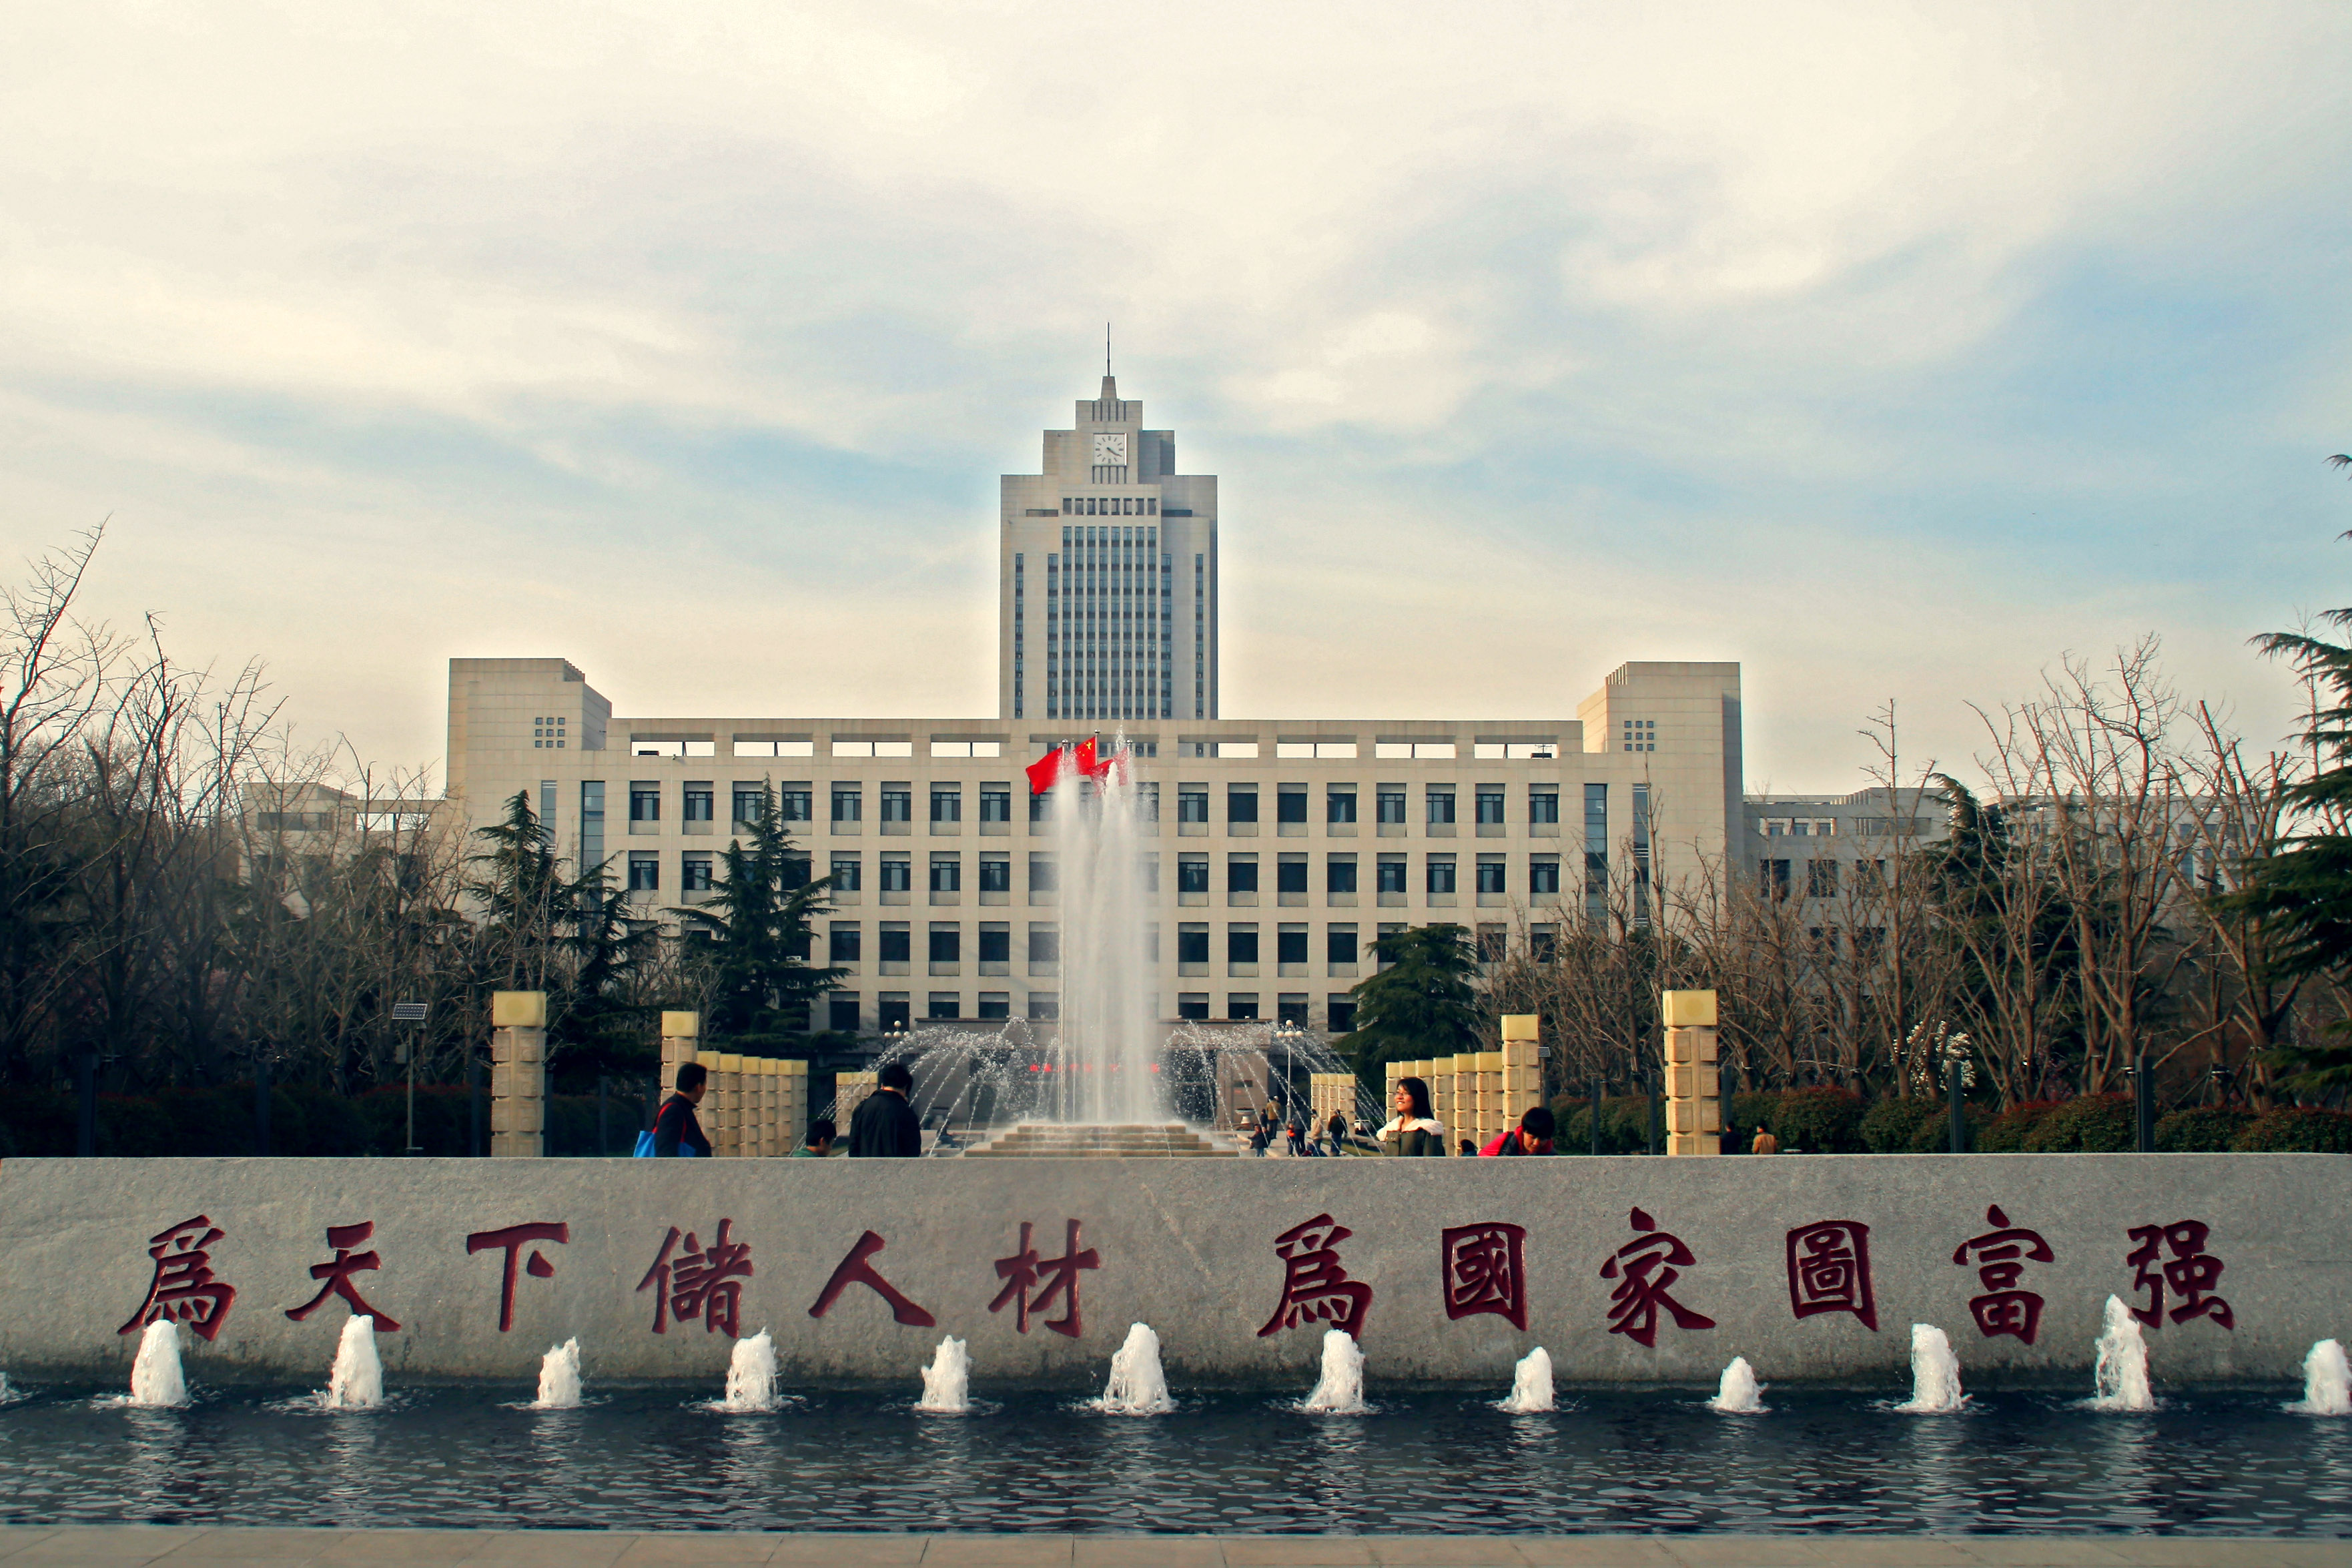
[675, 1127]
[1413, 1130]
[1765, 1143]
[886, 1126]
[1336, 1131]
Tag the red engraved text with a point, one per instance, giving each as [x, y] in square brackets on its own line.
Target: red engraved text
[1828, 1270]
[183, 1289]
[2001, 1254]
[513, 1239]
[1315, 1284]
[1023, 1272]
[699, 1282]
[1485, 1271]
[858, 1269]
[1644, 1268]
[337, 1272]
[2190, 1273]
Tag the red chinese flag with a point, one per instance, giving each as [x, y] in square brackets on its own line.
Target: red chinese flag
[1084, 756]
[1043, 771]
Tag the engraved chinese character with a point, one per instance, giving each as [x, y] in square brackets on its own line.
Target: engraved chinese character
[2001, 1254]
[1021, 1274]
[337, 1272]
[1315, 1284]
[1485, 1271]
[1828, 1270]
[2192, 1273]
[183, 1289]
[512, 1240]
[700, 1282]
[1646, 1267]
[858, 1269]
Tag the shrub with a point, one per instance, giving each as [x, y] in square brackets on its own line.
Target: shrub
[1624, 1124]
[1934, 1136]
[37, 1121]
[1744, 1113]
[1889, 1126]
[2203, 1130]
[2298, 1129]
[2088, 1124]
[2007, 1133]
[1819, 1120]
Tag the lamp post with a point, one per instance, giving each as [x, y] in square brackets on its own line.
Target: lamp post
[1289, 1033]
[410, 1012]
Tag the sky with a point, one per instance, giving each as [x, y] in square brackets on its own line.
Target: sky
[1897, 352]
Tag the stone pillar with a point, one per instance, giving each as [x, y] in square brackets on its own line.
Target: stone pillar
[681, 1039]
[518, 1074]
[793, 1117]
[1491, 1106]
[1522, 1066]
[722, 1108]
[1694, 1079]
[849, 1092]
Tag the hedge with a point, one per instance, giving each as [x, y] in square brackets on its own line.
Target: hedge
[2007, 1133]
[2203, 1130]
[1889, 1126]
[1819, 1120]
[2296, 1130]
[303, 1121]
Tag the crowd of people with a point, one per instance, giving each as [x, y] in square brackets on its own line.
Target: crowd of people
[885, 1127]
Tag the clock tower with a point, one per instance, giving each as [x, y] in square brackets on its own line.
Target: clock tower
[1108, 579]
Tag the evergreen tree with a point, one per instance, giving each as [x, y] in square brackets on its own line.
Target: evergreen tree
[752, 937]
[1424, 1004]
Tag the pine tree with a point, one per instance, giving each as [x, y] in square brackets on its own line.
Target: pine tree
[752, 936]
[1424, 1003]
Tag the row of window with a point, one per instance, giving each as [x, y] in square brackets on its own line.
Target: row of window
[1822, 877]
[895, 1009]
[1344, 947]
[1228, 751]
[796, 802]
[1392, 873]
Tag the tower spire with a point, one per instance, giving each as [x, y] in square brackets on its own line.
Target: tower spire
[1106, 348]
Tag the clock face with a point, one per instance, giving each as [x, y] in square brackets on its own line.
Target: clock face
[1110, 446]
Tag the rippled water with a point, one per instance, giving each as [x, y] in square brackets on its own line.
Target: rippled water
[1422, 1461]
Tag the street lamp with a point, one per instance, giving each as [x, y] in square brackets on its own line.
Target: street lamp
[410, 1012]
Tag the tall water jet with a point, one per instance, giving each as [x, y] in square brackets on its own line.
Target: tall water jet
[752, 1375]
[357, 1380]
[1737, 1393]
[1935, 1373]
[1339, 1385]
[559, 1377]
[947, 1381]
[1107, 1034]
[2120, 1380]
[2326, 1381]
[1137, 1386]
[156, 1380]
[1532, 1392]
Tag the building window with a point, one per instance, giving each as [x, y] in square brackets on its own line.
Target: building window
[848, 804]
[1641, 854]
[1820, 879]
[1290, 805]
[897, 804]
[995, 874]
[890, 1011]
[1543, 804]
[1240, 945]
[1241, 874]
[1596, 850]
[1339, 804]
[945, 1006]
[1193, 1005]
[897, 873]
[645, 803]
[1490, 874]
[702, 800]
[1543, 876]
[1494, 944]
[947, 944]
[1339, 874]
[1290, 1009]
[1392, 873]
[946, 873]
[996, 1003]
[996, 803]
[946, 804]
[1490, 806]
[1340, 945]
[1192, 873]
[591, 824]
[1191, 805]
[1241, 803]
[847, 943]
[1290, 876]
[841, 1012]
[1441, 806]
[1192, 943]
[896, 943]
[645, 872]
[995, 943]
[1290, 944]
[1392, 805]
[1038, 800]
[749, 801]
[845, 875]
[1044, 948]
[1341, 1010]
[1774, 879]
[1638, 735]
[694, 874]
[1242, 1007]
[1441, 873]
[1044, 876]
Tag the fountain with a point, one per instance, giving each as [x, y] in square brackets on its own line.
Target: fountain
[2326, 1381]
[947, 1381]
[751, 1376]
[1136, 1385]
[1935, 1373]
[2121, 1376]
[1339, 1387]
[8, 1394]
[1531, 1393]
[559, 1378]
[357, 1380]
[156, 1382]
[1739, 1393]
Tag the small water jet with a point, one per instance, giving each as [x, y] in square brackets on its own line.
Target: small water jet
[156, 1380]
[2326, 1381]
[947, 1381]
[752, 1376]
[1137, 1386]
[8, 1394]
[1339, 1385]
[1739, 1393]
[356, 1383]
[2120, 1380]
[559, 1378]
[1531, 1391]
[1935, 1373]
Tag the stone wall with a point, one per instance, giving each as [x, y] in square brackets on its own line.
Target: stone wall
[1194, 1247]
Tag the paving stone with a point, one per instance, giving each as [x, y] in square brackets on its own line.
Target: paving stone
[1593, 1551]
[15, 1538]
[230, 1544]
[1295, 1551]
[840, 1550]
[996, 1550]
[1148, 1552]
